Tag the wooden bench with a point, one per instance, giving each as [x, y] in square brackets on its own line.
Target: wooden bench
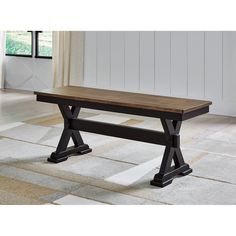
[171, 111]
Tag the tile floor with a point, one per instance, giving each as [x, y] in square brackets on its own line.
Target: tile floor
[118, 171]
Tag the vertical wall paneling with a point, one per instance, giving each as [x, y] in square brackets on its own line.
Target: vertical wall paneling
[179, 83]
[147, 62]
[213, 65]
[103, 59]
[90, 62]
[196, 64]
[77, 56]
[117, 60]
[229, 65]
[132, 61]
[162, 63]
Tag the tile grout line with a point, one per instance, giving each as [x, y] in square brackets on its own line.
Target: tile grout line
[209, 152]
[216, 180]
[120, 161]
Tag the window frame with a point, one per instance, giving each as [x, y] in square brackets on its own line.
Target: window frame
[37, 48]
[24, 55]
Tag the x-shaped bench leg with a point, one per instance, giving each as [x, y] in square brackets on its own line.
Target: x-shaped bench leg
[63, 151]
[172, 154]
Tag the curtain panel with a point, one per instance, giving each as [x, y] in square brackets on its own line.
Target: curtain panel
[68, 58]
[2, 53]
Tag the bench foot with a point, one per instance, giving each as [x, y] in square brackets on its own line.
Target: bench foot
[84, 149]
[160, 183]
[57, 157]
[162, 180]
[186, 172]
[54, 159]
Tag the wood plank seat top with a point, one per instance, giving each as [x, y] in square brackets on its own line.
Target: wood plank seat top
[171, 111]
[126, 99]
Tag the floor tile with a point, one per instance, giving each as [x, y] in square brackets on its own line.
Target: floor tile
[129, 151]
[209, 122]
[24, 189]
[191, 155]
[7, 198]
[52, 133]
[96, 167]
[7, 126]
[74, 200]
[132, 122]
[39, 179]
[93, 140]
[135, 173]
[213, 146]
[26, 132]
[107, 118]
[53, 140]
[190, 190]
[13, 149]
[217, 167]
[150, 123]
[53, 197]
[227, 134]
[59, 125]
[149, 202]
[110, 197]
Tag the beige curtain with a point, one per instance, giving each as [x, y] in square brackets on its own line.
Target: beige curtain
[2, 52]
[68, 58]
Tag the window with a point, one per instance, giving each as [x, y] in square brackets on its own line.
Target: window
[43, 44]
[19, 43]
[29, 43]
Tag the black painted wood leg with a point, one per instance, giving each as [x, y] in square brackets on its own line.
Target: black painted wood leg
[63, 151]
[172, 154]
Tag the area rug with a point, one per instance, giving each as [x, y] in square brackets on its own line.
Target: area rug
[117, 171]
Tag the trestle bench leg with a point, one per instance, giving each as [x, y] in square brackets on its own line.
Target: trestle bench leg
[172, 154]
[63, 151]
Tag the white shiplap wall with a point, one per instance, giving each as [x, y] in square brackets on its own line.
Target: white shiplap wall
[198, 65]
[27, 73]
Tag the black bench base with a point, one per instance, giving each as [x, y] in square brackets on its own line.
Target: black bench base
[172, 163]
